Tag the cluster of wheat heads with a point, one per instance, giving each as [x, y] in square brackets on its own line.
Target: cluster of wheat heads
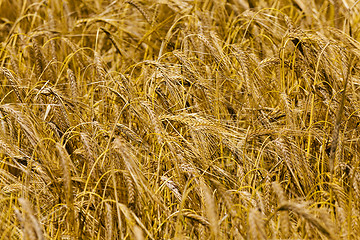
[179, 119]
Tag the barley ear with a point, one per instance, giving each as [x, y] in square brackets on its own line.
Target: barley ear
[32, 227]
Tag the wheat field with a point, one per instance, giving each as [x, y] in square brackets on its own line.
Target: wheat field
[179, 119]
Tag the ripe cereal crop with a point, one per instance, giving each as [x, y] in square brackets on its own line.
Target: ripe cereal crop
[179, 119]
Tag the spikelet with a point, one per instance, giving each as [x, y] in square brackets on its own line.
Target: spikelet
[226, 198]
[141, 10]
[217, 54]
[14, 62]
[356, 181]
[67, 13]
[108, 221]
[13, 82]
[202, 233]
[305, 213]
[200, 219]
[24, 121]
[90, 149]
[39, 59]
[55, 130]
[289, 23]
[73, 84]
[32, 227]
[285, 225]
[99, 68]
[173, 187]
[337, 124]
[188, 67]
[341, 162]
[210, 210]
[129, 133]
[269, 62]
[267, 193]
[342, 221]
[225, 60]
[287, 104]
[279, 192]
[138, 233]
[113, 41]
[131, 192]
[195, 121]
[81, 59]
[60, 113]
[155, 123]
[256, 225]
[324, 216]
[65, 162]
[52, 25]
[340, 194]
[9, 148]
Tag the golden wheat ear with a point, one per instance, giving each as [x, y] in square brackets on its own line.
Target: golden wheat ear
[14, 83]
[32, 228]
